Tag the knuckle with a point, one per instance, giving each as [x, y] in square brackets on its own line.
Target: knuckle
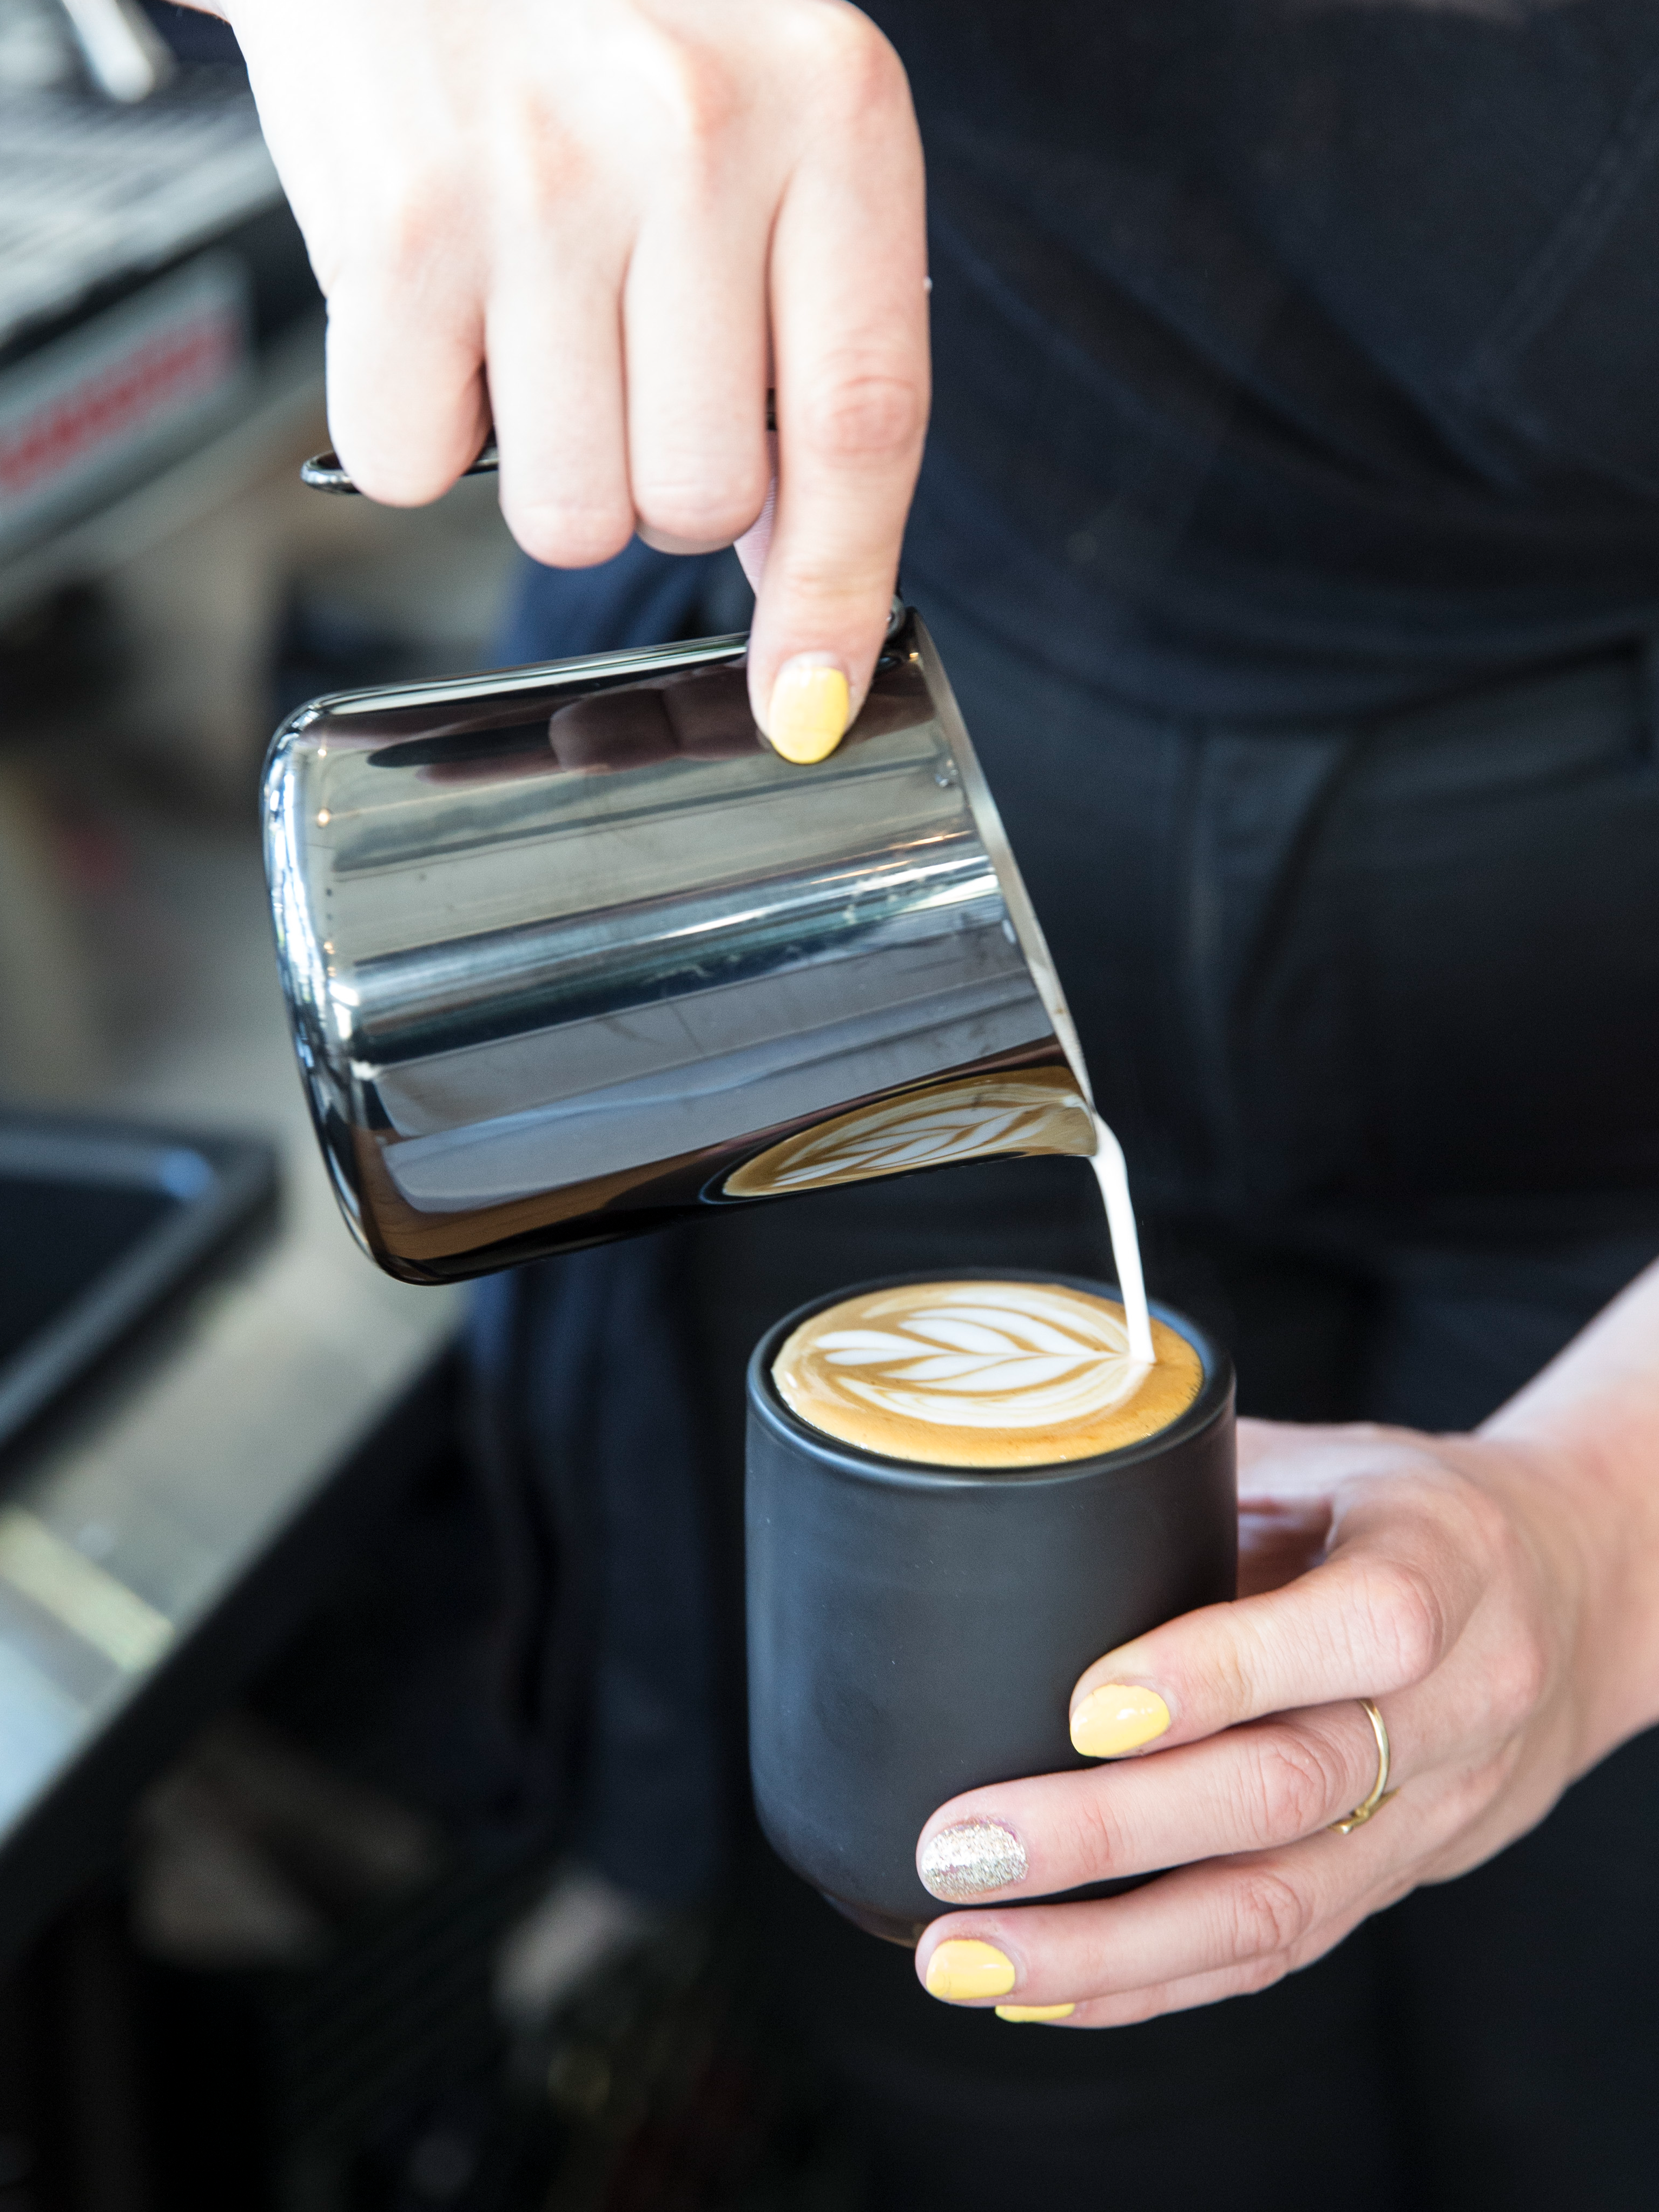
[535, 163]
[1488, 1522]
[1231, 1671]
[687, 510]
[1295, 1786]
[857, 68]
[1468, 1796]
[410, 228]
[816, 591]
[1266, 1915]
[866, 417]
[1101, 1839]
[1518, 1677]
[1407, 1623]
[698, 102]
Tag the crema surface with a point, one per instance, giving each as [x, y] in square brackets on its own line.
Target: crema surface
[983, 1374]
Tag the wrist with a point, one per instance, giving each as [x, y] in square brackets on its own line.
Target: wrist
[1594, 1525]
[1587, 1432]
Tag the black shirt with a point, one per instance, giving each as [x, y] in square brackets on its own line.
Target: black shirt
[1292, 357]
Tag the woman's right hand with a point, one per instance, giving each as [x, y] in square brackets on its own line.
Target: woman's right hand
[608, 225]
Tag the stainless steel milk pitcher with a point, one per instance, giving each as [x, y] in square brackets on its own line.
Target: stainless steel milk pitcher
[569, 951]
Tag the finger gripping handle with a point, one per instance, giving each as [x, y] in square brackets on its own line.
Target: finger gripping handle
[324, 472]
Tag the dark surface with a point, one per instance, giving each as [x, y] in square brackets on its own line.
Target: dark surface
[916, 1632]
[76, 1832]
[102, 1225]
[61, 1237]
[363, 2064]
[1289, 360]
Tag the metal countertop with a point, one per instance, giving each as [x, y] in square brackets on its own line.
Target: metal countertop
[125, 1537]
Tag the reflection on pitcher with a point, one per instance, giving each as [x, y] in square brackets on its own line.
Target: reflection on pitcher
[570, 953]
[1037, 1110]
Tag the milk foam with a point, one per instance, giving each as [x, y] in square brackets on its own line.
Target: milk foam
[984, 1372]
[993, 1356]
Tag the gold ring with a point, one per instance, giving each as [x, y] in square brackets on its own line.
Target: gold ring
[1381, 1792]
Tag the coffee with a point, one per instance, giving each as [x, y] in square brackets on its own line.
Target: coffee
[983, 1373]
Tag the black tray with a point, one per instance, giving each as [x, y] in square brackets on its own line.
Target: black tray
[101, 1225]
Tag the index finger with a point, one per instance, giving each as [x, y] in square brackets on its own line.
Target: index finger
[849, 332]
[1379, 1614]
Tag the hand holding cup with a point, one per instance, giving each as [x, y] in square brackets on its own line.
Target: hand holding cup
[1493, 1595]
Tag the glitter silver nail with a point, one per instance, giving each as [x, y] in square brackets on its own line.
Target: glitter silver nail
[963, 1862]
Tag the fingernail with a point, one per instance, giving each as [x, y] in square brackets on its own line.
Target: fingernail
[970, 1858]
[1118, 1717]
[1035, 2012]
[808, 714]
[963, 1969]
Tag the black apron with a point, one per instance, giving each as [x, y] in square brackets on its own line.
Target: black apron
[1293, 357]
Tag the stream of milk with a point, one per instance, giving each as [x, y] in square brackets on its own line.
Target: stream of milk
[1114, 1180]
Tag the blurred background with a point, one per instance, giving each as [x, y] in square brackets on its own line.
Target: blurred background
[267, 1937]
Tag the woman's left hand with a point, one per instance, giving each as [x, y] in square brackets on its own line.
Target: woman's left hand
[1460, 1582]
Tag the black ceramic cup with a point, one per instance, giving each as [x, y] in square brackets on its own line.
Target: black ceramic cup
[916, 1631]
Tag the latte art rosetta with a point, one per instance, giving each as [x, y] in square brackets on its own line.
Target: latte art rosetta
[982, 1373]
[1004, 1355]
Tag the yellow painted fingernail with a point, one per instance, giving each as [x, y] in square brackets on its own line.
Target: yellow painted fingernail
[808, 716]
[963, 1969]
[1035, 2012]
[1118, 1717]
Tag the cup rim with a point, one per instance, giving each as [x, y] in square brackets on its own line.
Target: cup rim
[1214, 1398]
